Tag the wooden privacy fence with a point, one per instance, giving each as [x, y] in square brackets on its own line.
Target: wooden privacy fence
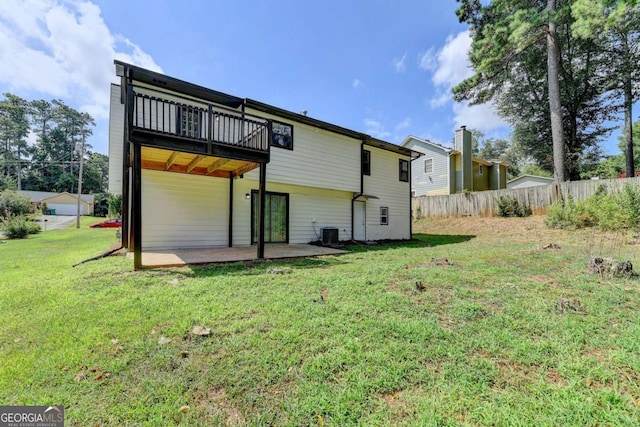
[484, 203]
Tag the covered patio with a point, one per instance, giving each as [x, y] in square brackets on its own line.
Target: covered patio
[184, 257]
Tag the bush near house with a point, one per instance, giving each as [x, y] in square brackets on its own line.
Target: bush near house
[13, 204]
[19, 227]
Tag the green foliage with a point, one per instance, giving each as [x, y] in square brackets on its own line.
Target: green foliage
[533, 169]
[509, 206]
[608, 212]
[101, 206]
[13, 204]
[115, 205]
[7, 183]
[19, 227]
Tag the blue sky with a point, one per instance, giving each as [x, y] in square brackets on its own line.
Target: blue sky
[382, 67]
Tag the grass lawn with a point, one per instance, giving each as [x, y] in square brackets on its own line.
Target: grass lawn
[473, 324]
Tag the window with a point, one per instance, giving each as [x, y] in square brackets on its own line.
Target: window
[384, 216]
[282, 135]
[189, 121]
[404, 170]
[366, 162]
[480, 169]
[428, 166]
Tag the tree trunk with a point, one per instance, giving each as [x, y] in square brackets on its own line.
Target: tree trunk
[628, 106]
[555, 108]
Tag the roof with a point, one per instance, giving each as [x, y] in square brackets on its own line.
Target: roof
[538, 177]
[39, 196]
[170, 83]
[426, 142]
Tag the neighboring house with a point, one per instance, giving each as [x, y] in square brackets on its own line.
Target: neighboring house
[61, 203]
[442, 170]
[524, 181]
[193, 165]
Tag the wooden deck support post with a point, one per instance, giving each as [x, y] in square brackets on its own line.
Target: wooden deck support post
[137, 206]
[261, 209]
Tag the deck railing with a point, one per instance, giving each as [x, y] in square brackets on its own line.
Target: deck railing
[185, 118]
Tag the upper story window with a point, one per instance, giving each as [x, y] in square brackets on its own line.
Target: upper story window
[282, 135]
[366, 162]
[189, 121]
[480, 169]
[404, 170]
[428, 166]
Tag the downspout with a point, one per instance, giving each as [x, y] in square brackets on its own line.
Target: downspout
[353, 199]
[410, 199]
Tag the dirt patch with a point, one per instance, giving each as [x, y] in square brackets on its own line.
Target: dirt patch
[216, 403]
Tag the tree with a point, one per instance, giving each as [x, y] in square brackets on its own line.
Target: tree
[14, 128]
[615, 24]
[513, 55]
[555, 107]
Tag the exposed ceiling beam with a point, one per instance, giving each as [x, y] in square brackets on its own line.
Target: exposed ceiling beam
[217, 165]
[244, 169]
[191, 166]
[171, 160]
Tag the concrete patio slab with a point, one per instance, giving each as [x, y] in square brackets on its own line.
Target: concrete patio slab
[183, 257]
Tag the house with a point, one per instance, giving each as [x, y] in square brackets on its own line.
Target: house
[524, 181]
[443, 170]
[198, 168]
[61, 203]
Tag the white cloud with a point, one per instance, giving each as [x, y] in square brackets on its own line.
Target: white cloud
[452, 61]
[428, 60]
[400, 63]
[482, 117]
[449, 66]
[357, 84]
[63, 49]
[376, 129]
[404, 124]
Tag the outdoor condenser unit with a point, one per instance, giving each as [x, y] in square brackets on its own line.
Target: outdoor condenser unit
[329, 235]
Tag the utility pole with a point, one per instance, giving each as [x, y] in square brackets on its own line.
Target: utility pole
[80, 179]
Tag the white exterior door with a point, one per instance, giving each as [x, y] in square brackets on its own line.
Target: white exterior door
[359, 221]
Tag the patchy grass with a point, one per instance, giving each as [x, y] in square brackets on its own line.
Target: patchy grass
[387, 335]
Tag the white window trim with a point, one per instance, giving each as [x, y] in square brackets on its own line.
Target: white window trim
[425, 165]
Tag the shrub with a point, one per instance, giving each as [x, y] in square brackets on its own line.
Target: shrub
[13, 204]
[509, 206]
[629, 202]
[566, 214]
[19, 227]
[607, 212]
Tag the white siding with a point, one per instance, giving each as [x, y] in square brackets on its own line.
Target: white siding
[385, 184]
[319, 159]
[116, 135]
[184, 211]
[329, 208]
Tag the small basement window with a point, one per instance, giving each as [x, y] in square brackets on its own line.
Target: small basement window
[384, 216]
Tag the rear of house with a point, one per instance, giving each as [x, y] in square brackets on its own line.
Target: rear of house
[205, 158]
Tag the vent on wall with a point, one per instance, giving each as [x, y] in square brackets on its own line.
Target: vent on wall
[329, 236]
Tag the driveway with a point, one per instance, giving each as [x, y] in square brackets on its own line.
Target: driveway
[55, 222]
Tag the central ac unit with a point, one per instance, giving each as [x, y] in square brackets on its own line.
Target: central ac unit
[329, 235]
